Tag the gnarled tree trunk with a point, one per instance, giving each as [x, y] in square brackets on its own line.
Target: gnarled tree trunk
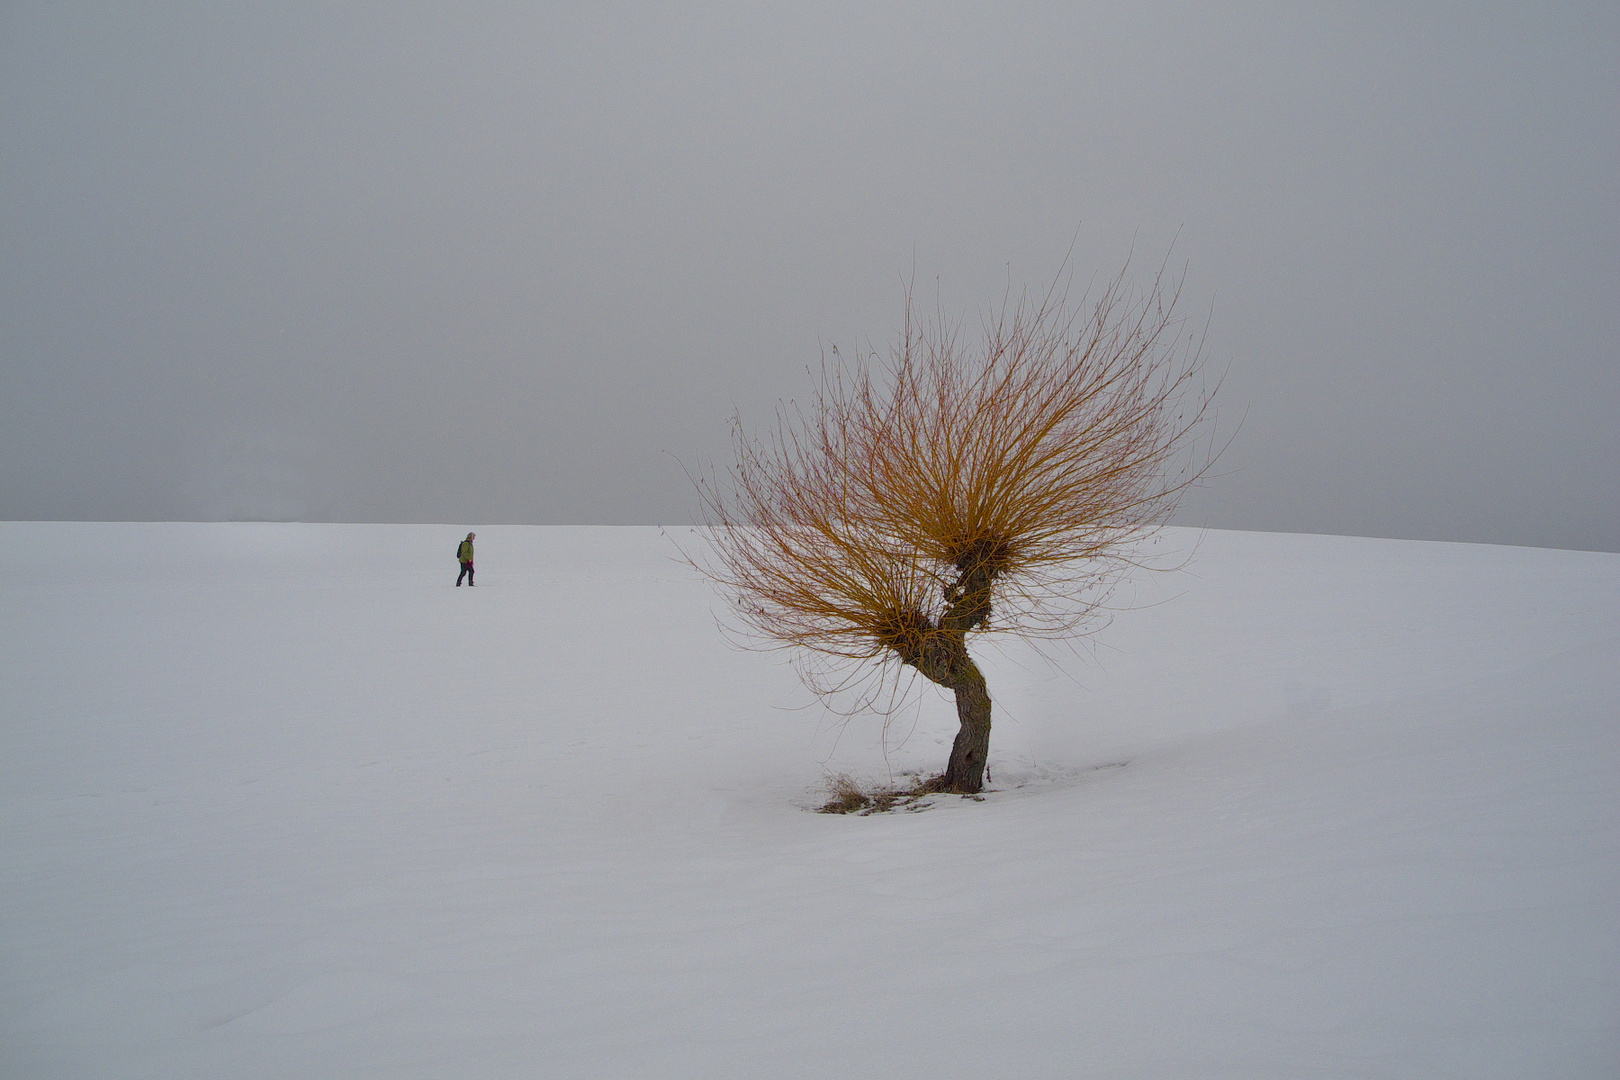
[965, 772]
[945, 661]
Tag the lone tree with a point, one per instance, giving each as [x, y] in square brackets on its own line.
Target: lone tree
[949, 492]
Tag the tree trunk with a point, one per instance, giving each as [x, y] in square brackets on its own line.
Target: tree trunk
[965, 772]
[967, 606]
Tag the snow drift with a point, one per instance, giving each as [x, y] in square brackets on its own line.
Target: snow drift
[278, 800]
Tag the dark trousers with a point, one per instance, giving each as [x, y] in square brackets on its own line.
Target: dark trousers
[466, 572]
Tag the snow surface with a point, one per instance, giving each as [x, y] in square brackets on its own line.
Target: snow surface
[279, 801]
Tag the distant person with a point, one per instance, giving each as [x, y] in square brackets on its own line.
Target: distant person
[464, 556]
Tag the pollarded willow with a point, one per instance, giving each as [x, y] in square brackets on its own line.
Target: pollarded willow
[949, 491]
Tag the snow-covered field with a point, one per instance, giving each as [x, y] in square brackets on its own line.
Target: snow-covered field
[278, 801]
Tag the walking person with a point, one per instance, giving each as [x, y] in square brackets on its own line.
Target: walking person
[464, 555]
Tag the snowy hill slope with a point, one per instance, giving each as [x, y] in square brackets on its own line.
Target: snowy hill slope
[277, 800]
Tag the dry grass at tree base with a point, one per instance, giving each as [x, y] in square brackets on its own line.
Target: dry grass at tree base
[845, 795]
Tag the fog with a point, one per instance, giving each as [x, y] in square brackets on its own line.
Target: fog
[518, 263]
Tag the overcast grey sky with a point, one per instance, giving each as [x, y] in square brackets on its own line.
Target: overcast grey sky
[503, 263]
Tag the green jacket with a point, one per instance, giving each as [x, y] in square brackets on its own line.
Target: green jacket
[464, 552]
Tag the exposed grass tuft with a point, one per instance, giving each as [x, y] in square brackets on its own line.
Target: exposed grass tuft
[846, 795]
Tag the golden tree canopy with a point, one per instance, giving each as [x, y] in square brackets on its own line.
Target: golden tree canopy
[952, 489]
